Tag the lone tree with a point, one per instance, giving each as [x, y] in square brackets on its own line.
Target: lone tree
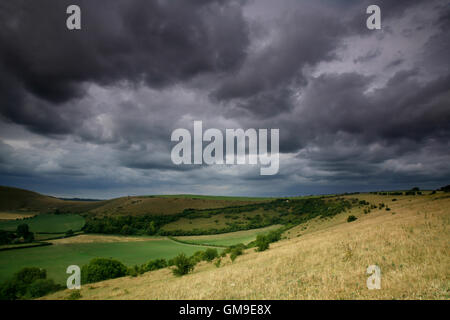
[24, 231]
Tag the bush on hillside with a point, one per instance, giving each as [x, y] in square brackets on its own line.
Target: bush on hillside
[28, 283]
[183, 265]
[351, 218]
[234, 255]
[100, 269]
[41, 287]
[29, 275]
[236, 251]
[156, 264]
[9, 290]
[210, 254]
[74, 295]
[198, 256]
[262, 243]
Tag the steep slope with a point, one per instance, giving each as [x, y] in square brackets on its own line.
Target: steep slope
[326, 260]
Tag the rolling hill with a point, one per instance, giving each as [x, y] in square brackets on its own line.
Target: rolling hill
[25, 201]
[320, 259]
[14, 200]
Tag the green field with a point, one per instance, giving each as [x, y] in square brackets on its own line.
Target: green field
[56, 258]
[228, 239]
[47, 223]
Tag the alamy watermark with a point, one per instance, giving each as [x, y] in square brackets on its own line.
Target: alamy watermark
[73, 21]
[374, 281]
[74, 280]
[213, 153]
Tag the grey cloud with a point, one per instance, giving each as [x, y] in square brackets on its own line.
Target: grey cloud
[158, 43]
[99, 105]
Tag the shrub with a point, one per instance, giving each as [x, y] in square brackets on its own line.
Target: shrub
[233, 256]
[29, 275]
[218, 262]
[273, 236]
[74, 295]
[351, 218]
[23, 231]
[41, 287]
[100, 269]
[132, 272]
[155, 264]
[183, 265]
[262, 243]
[6, 237]
[27, 283]
[210, 254]
[236, 251]
[8, 290]
[198, 256]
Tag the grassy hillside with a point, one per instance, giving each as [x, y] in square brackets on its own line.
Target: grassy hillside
[321, 259]
[164, 205]
[14, 200]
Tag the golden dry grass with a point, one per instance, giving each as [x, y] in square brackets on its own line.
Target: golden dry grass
[327, 262]
[15, 215]
[94, 238]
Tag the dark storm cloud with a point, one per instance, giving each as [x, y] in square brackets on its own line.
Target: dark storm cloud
[269, 78]
[404, 108]
[155, 42]
[357, 109]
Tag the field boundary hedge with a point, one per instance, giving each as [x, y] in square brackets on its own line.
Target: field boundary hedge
[197, 244]
[35, 245]
[62, 237]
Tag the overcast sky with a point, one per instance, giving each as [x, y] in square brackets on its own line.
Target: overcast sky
[89, 113]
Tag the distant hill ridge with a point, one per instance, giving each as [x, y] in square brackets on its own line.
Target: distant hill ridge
[20, 200]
